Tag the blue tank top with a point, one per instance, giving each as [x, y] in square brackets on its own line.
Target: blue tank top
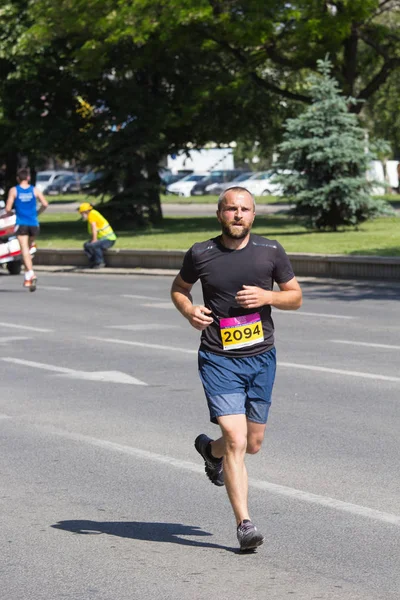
[25, 206]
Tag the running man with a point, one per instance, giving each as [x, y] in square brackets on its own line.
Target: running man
[237, 361]
[23, 198]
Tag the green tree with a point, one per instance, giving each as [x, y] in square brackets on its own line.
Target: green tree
[325, 148]
[39, 114]
[161, 76]
[153, 91]
[276, 43]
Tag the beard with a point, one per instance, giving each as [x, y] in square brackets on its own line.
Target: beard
[232, 232]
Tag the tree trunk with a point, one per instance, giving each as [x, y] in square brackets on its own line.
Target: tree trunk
[11, 169]
[152, 162]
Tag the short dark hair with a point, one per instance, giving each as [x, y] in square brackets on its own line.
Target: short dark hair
[234, 188]
[23, 174]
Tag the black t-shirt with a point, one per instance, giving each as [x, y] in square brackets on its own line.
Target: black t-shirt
[223, 273]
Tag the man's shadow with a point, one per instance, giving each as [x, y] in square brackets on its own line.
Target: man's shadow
[138, 530]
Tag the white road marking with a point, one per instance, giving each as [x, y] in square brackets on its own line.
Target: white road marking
[273, 488]
[55, 287]
[312, 314]
[339, 371]
[27, 327]
[280, 364]
[369, 345]
[143, 327]
[142, 345]
[13, 338]
[106, 376]
[136, 296]
[167, 305]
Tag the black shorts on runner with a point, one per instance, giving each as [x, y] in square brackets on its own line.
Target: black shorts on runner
[31, 230]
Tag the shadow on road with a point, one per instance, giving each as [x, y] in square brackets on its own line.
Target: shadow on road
[139, 530]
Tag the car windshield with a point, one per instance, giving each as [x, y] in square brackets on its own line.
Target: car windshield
[243, 177]
[193, 178]
[265, 175]
[89, 177]
[43, 177]
[65, 178]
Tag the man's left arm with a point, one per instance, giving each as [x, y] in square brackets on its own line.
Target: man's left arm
[94, 232]
[43, 202]
[288, 298]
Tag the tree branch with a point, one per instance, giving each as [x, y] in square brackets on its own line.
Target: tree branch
[262, 82]
[377, 81]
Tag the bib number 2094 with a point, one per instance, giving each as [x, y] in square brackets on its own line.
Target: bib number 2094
[237, 332]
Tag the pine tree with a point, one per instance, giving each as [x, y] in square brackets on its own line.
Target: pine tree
[325, 148]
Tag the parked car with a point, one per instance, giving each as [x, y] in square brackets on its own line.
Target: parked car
[264, 183]
[206, 185]
[65, 185]
[184, 186]
[46, 178]
[89, 179]
[170, 178]
[218, 188]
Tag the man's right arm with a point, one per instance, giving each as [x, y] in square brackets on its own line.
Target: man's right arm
[11, 199]
[182, 298]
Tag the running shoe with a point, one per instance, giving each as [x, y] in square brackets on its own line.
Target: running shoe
[30, 283]
[248, 536]
[212, 466]
[33, 284]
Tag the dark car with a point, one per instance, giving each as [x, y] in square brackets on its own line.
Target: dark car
[65, 185]
[206, 185]
[89, 180]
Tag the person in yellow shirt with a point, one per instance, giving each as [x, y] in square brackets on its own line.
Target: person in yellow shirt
[102, 235]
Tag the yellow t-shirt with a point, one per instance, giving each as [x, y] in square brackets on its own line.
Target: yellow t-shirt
[104, 229]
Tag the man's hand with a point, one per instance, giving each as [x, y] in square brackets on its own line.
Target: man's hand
[198, 317]
[253, 297]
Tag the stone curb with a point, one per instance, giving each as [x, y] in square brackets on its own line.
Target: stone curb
[334, 266]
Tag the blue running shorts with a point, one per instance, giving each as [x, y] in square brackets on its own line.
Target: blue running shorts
[238, 386]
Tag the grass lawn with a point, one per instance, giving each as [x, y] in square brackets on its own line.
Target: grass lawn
[379, 238]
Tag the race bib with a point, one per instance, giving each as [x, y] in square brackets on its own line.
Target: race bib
[237, 332]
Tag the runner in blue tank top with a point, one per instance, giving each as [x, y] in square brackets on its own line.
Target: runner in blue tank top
[23, 199]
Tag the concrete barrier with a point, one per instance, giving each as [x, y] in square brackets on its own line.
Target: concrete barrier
[305, 265]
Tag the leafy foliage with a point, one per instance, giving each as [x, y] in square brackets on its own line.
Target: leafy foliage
[121, 84]
[325, 148]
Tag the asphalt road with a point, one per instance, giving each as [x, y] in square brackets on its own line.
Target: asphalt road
[102, 493]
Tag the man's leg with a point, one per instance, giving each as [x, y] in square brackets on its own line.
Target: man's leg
[88, 248]
[30, 277]
[26, 257]
[234, 431]
[97, 250]
[32, 245]
[255, 437]
[234, 434]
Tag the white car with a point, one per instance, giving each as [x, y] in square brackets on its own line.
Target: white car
[46, 178]
[184, 186]
[263, 184]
